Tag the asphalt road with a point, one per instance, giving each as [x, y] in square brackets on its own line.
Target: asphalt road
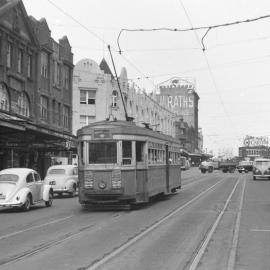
[217, 221]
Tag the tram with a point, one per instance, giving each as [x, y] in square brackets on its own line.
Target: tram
[124, 164]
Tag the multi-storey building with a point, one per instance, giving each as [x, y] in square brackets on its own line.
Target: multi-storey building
[35, 90]
[179, 96]
[96, 97]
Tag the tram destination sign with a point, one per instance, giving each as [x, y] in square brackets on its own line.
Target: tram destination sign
[255, 141]
[102, 134]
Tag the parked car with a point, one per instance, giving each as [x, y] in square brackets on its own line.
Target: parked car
[261, 168]
[63, 179]
[23, 187]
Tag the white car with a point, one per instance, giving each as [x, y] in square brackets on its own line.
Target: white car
[261, 168]
[23, 187]
[63, 179]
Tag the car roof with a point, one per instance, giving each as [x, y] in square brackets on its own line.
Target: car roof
[62, 166]
[21, 171]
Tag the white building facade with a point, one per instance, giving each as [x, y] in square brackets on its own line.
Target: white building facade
[96, 97]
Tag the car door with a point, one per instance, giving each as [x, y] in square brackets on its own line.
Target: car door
[30, 183]
[39, 186]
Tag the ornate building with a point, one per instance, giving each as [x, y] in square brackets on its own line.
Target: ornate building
[96, 96]
[35, 90]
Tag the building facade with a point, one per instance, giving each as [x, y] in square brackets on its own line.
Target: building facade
[179, 96]
[96, 97]
[35, 90]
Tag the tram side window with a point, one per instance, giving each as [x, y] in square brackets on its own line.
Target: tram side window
[126, 152]
[81, 153]
[139, 151]
[102, 152]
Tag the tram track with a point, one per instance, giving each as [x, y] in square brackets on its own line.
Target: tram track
[69, 235]
[118, 250]
[199, 253]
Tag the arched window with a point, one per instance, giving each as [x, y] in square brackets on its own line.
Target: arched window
[114, 98]
[4, 98]
[23, 105]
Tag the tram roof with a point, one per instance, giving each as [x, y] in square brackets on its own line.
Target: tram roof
[126, 128]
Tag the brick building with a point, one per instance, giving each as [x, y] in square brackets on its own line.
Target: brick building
[35, 90]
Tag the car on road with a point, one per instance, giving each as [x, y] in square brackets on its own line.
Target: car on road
[206, 166]
[23, 187]
[63, 179]
[261, 168]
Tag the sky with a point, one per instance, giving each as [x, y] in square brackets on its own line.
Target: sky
[232, 74]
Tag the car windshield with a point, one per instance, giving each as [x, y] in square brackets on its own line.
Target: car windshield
[57, 171]
[9, 178]
[261, 162]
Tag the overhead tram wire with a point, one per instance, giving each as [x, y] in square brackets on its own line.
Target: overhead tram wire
[101, 39]
[208, 64]
[207, 28]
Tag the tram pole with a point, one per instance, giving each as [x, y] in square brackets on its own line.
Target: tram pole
[118, 83]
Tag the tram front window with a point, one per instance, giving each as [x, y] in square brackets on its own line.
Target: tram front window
[102, 152]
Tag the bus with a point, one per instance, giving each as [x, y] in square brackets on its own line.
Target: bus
[122, 164]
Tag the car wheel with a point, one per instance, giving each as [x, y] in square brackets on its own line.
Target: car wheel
[27, 204]
[73, 192]
[49, 202]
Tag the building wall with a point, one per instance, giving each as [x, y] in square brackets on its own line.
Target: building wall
[88, 76]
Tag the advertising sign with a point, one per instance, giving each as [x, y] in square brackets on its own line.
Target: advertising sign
[255, 141]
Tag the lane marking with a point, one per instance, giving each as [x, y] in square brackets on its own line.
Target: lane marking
[259, 230]
[120, 249]
[232, 257]
[35, 227]
[200, 253]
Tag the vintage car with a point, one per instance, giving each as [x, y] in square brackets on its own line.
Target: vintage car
[261, 168]
[23, 187]
[63, 179]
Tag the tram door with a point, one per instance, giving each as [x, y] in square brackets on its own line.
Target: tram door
[167, 168]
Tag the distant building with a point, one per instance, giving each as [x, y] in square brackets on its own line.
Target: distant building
[35, 90]
[254, 147]
[96, 97]
[179, 96]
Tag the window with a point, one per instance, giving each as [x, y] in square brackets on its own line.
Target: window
[44, 107]
[29, 66]
[23, 105]
[44, 64]
[59, 114]
[126, 152]
[102, 152]
[87, 96]
[114, 98]
[139, 151]
[37, 177]
[9, 55]
[66, 116]
[4, 98]
[86, 120]
[20, 61]
[66, 77]
[29, 178]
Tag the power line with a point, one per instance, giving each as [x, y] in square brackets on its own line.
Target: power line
[98, 37]
[207, 62]
[207, 28]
